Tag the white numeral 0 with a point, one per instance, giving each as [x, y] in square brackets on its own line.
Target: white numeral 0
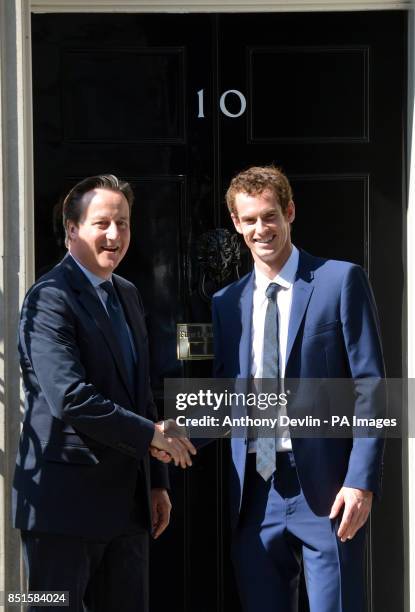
[223, 107]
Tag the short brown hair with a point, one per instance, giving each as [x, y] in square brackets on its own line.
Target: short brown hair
[255, 180]
[72, 204]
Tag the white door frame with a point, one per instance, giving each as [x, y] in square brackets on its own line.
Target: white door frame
[17, 219]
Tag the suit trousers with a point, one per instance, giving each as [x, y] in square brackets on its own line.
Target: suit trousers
[277, 533]
[100, 575]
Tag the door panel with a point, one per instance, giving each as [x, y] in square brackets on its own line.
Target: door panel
[177, 104]
[127, 113]
[312, 84]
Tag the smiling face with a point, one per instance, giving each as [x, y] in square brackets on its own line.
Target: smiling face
[265, 229]
[101, 238]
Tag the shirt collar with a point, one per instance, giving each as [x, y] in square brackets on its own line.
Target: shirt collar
[285, 277]
[95, 280]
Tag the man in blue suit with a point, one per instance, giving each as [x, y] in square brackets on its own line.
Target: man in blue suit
[297, 500]
[86, 492]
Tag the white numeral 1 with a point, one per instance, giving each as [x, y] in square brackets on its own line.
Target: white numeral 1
[201, 110]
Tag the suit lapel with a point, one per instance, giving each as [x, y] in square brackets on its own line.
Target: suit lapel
[245, 343]
[302, 290]
[239, 444]
[92, 304]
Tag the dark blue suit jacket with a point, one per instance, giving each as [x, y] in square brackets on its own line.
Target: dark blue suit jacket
[83, 454]
[333, 333]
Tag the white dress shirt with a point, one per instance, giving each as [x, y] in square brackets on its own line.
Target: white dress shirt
[285, 278]
[96, 282]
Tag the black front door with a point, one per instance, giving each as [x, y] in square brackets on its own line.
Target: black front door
[176, 104]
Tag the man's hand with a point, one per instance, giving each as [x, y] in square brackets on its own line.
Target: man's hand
[179, 448]
[161, 455]
[357, 505]
[160, 511]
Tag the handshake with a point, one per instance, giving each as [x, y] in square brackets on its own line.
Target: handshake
[170, 443]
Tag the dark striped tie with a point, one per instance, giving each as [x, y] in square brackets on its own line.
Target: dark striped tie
[119, 324]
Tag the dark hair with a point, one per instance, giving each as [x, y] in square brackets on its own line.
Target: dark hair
[255, 180]
[72, 205]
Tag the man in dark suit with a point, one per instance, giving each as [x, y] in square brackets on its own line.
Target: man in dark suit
[86, 491]
[298, 500]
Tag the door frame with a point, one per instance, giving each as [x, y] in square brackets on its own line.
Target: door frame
[17, 221]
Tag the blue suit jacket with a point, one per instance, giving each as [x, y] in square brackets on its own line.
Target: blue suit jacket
[83, 453]
[333, 333]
